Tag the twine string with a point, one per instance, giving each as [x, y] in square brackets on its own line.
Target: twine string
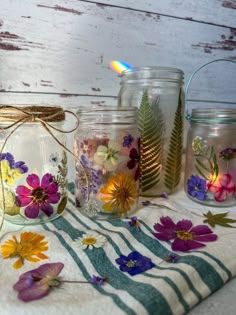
[18, 121]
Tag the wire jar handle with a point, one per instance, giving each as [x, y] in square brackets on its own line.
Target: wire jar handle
[187, 115]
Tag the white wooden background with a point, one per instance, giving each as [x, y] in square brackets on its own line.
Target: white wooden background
[63, 47]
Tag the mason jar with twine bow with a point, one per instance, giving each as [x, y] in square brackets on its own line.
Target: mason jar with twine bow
[33, 163]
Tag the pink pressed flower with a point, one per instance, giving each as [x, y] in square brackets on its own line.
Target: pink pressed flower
[185, 236]
[223, 188]
[39, 196]
[36, 284]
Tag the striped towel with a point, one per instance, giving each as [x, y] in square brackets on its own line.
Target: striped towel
[166, 289]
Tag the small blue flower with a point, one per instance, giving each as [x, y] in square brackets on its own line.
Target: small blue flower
[134, 263]
[197, 187]
[127, 140]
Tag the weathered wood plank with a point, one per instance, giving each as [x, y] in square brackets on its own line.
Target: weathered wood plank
[218, 12]
[66, 47]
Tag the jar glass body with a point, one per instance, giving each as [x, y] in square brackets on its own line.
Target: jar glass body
[34, 173]
[107, 171]
[210, 171]
[165, 97]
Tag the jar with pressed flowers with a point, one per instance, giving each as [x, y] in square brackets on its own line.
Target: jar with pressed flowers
[157, 93]
[107, 165]
[210, 171]
[33, 164]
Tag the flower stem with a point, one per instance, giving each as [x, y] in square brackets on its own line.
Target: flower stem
[74, 281]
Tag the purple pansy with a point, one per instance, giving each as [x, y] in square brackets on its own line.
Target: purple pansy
[197, 187]
[185, 236]
[20, 165]
[127, 140]
[134, 263]
[38, 195]
[37, 283]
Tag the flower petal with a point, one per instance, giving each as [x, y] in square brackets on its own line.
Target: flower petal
[168, 222]
[25, 281]
[183, 245]
[167, 233]
[220, 195]
[34, 292]
[53, 198]
[201, 229]
[47, 209]
[184, 225]
[49, 270]
[46, 180]
[206, 238]
[32, 211]
[23, 191]
[33, 180]
[51, 188]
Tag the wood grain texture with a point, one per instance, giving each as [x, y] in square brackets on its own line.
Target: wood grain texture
[64, 47]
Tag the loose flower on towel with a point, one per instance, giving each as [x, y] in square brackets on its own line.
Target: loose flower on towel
[134, 263]
[90, 240]
[37, 283]
[185, 236]
[30, 247]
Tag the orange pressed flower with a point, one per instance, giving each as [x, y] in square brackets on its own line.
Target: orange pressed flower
[119, 194]
[30, 247]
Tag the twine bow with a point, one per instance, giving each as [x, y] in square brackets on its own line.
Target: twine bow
[18, 116]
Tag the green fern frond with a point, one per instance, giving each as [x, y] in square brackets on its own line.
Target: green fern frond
[150, 146]
[174, 156]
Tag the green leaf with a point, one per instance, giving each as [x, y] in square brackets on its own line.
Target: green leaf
[174, 156]
[218, 219]
[150, 145]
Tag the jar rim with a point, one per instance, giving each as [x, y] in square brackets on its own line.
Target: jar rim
[31, 113]
[209, 115]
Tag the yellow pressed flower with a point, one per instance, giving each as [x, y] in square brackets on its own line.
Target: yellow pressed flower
[9, 202]
[30, 247]
[119, 193]
[9, 175]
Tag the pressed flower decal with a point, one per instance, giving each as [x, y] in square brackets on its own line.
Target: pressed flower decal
[223, 188]
[134, 162]
[39, 195]
[30, 247]
[134, 222]
[197, 187]
[108, 156]
[228, 154]
[37, 283]
[11, 170]
[127, 141]
[185, 236]
[90, 240]
[134, 263]
[119, 193]
[171, 258]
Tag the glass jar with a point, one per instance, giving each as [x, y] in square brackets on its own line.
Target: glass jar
[157, 92]
[33, 164]
[210, 175]
[107, 170]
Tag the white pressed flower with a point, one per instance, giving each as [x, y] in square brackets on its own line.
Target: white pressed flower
[90, 240]
[108, 156]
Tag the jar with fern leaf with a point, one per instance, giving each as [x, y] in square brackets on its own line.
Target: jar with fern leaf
[210, 170]
[158, 94]
[33, 164]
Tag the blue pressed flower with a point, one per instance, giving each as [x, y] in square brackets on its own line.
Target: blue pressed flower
[134, 263]
[98, 280]
[127, 140]
[197, 187]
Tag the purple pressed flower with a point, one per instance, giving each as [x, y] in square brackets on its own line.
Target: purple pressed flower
[185, 236]
[228, 154]
[38, 195]
[37, 283]
[20, 165]
[134, 263]
[134, 222]
[127, 140]
[133, 162]
[172, 258]
[197, 187]
[98, 280]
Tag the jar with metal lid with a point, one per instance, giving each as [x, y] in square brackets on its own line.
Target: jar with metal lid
[33, 164]
[157, 92]
[210, 172]
[107, 165]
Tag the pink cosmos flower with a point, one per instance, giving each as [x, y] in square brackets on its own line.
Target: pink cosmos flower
[185, 236]
[37, 283]
[39, 196]
[223, 188]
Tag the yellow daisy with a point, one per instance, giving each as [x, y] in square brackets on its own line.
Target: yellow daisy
[119, 194]
[30, 247]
